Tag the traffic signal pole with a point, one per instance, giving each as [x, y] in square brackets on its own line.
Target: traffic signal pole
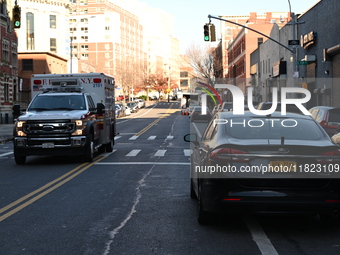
[284, 46]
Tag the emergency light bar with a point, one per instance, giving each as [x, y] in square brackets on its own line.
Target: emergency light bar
[62, 89]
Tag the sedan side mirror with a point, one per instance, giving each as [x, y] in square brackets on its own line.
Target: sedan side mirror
[191, 138]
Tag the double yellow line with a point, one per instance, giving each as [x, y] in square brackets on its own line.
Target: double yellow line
[166, 114]
[30, 198]
[20, 204]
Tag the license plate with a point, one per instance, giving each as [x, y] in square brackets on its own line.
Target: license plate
[282, 166]
[48, 145]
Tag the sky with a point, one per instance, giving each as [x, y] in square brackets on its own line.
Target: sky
[190, 15]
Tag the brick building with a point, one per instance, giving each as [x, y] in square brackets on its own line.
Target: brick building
[9, 83]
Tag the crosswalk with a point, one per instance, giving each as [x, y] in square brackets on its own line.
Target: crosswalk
[157, 153]
[150, 138]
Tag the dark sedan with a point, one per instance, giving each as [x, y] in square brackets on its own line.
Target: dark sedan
[270, 163]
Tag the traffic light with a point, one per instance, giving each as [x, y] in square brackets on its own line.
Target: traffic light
[16, 16]
[212, 33]
[206, 33]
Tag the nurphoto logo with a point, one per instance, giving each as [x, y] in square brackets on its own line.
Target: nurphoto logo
[238, 100]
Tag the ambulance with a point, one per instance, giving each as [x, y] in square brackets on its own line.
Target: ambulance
[70, 114]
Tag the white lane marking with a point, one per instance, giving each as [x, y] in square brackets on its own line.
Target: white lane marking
[187, 152]
[153, 137]
[117, 137]
[169, 137]
[6, 154]
[259, 236]
[196, 128]
[133, 137]
[133, 153]
[160, 153]
[142, 163]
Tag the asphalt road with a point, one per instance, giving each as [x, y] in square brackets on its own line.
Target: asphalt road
[135, 200]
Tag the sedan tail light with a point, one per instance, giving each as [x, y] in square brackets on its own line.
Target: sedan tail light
[325, 124]
[334, 156]
[228, 154]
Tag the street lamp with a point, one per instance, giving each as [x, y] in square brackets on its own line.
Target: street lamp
[168, 90]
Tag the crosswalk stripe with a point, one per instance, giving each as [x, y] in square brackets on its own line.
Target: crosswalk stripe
[169, 137]
[160, 153]
[153, 137]
[133, 137]
[133, 153]
[117, 137]
[186, 152]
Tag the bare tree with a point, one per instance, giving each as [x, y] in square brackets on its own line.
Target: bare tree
[201, 59]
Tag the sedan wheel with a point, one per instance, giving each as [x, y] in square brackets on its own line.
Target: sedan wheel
[192, 191]
[203, 217]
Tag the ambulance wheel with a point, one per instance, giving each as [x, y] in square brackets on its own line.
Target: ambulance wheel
[109, 147]
[89, 149]
[19, 159]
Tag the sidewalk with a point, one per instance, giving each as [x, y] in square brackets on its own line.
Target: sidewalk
[6, 132]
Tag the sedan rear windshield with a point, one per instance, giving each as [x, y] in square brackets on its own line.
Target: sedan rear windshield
[272, 128]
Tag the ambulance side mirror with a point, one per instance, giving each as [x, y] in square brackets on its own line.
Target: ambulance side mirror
[100, 108]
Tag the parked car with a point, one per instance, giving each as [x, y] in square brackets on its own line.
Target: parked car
[121, 106]
[133, 106]
[127, 111]
[196, 114]
[118, 111]
[270, 162]
[289, 107]
[140, 103]
[153, 98]
[328, 117]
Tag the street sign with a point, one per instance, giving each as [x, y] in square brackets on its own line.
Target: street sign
[302, 63]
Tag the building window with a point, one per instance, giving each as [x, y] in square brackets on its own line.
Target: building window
[84, 56]
[27, 64]
[85, 38]
[5, 50]
[85, 21]
[30, 31]
[83, 11]
[184, 74]
[53, 21]
[6, 90]
[107, 28]
[15, 55]
[85, 47]
[84, 30]
[53, 45]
